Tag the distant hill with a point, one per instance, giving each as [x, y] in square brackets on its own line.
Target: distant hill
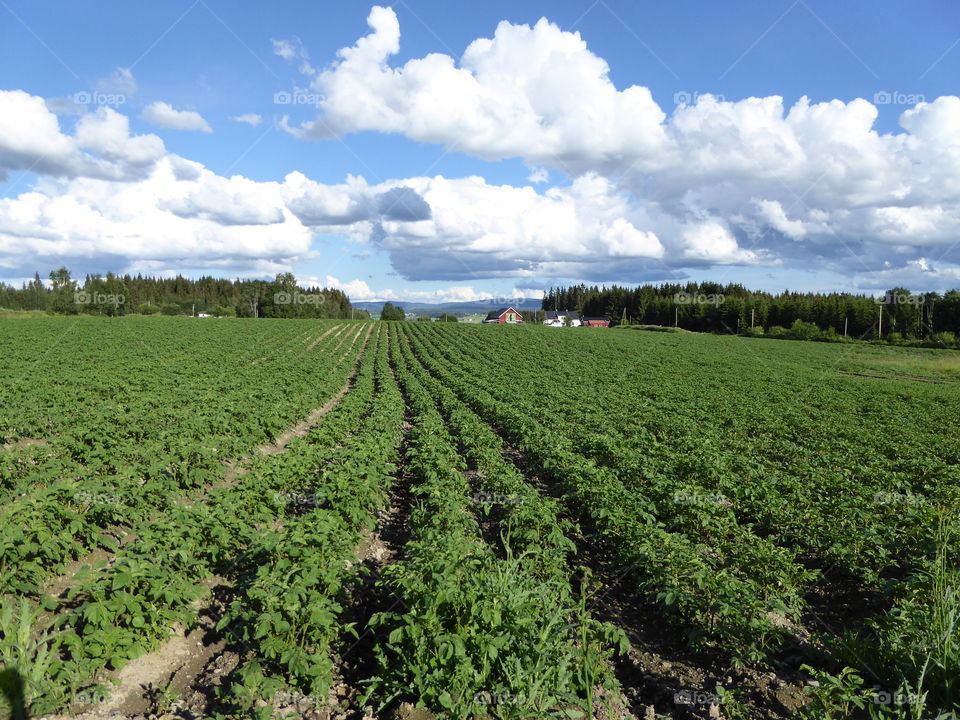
[454, 308]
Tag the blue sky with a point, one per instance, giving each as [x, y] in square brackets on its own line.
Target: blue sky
[864, 214]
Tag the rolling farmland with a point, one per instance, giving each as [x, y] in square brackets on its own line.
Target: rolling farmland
[335, 519]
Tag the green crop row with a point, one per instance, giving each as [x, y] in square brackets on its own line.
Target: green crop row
[476, 633]
[693, 581]
[291, 594]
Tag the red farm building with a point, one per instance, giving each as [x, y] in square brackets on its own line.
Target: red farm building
[594, 322]
[503, 316]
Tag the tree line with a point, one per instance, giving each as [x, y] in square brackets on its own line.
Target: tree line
[112, 294]
[396, 312]
[732, 308]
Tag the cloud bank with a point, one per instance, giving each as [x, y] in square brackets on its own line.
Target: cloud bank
[647, 195]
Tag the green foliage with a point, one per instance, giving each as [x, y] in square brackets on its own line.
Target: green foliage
[801, 330]
[673, 483]
[480, 634]
[392, 312]
[29, 660]
[118, 295]
[716, 477]
[734, 306]
[62, 288]
[102, 472]
[947, 339]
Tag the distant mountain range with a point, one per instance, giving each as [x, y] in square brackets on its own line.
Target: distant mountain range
[454, 308]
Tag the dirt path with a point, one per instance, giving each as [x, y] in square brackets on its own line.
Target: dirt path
[281, 345]
[237, 469]
[25, 442]
[322, 336]
[57, 585]
[304, 426]
[159, 683]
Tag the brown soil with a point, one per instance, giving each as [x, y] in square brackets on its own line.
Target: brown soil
[25, 443]
[321, 337]
[159, 683]
[56, 586]
[279, 350]
[304, 426]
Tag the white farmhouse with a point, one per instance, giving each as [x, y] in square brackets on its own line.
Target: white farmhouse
[558, 318]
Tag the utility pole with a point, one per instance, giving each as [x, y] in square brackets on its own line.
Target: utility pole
[752, 311]
[880, 331]
[676, 316]
[845, 320]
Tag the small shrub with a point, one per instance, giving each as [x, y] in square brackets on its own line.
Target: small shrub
[801, 330]
[944, 339]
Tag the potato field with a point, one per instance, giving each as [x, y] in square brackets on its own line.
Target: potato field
[237, 518]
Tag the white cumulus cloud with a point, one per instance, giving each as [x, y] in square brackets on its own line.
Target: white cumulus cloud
[164, 115]
[717, 182]
[251, 119]
[31, 140]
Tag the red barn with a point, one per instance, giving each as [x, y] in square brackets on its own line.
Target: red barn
[594, 322]
[504, 315]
